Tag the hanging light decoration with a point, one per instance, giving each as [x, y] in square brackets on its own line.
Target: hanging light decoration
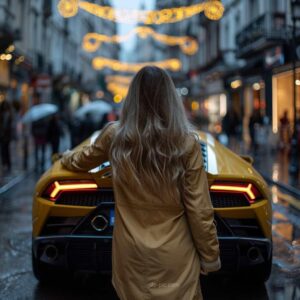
[213, 9]
[93, 41]
[68, 8]
[100, 63]
[117, 89]
[119, 79]
[118, 85]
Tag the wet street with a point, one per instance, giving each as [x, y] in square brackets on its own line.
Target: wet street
[18, 282]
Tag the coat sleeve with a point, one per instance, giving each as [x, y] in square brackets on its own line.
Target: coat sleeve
[90, 156]
[199, 211]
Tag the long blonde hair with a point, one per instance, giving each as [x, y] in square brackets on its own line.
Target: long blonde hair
[150, 141]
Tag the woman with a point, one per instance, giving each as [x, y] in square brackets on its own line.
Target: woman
[164, 232]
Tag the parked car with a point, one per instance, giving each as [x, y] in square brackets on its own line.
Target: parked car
[73, 216]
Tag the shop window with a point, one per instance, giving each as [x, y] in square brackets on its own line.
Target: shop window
[283, 97]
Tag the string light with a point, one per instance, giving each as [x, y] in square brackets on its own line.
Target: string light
[213, 9]
[118, 85]
[117, 89]
[11, 48]
[124, 80]
[118, 98]
[68, 8]
[100, 63]
[93, 41]
[5, 56]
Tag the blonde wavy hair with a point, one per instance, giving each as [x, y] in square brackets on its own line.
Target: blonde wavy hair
[151, 137]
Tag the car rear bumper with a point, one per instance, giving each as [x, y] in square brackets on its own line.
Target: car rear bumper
[93, 253]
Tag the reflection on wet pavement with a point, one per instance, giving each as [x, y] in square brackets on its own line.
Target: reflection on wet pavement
[285, 284]
[17, 281]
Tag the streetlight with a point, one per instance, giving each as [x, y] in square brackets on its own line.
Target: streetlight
[294, 162]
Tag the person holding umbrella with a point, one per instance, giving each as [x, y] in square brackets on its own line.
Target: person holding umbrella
[38, 116]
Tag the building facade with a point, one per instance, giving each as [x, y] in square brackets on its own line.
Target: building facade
[46, 62]
[245, 62]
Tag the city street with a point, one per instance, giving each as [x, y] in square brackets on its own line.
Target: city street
[125, 83]
[18, 282]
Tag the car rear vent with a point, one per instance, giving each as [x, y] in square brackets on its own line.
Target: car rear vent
[91, 198]
[245, 227]
[222, 227]
[60, 225]
[204, 154]
[228, 200]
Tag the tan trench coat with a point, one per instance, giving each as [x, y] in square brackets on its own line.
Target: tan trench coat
[159, 244]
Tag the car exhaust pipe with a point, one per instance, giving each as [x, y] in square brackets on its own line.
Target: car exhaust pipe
[99, 223]
[51, 252]
[254, 254]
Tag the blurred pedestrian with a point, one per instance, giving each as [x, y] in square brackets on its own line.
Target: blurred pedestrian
[230, 125]
[164, 232]
[39, 131]
[6, 120]
[284, 131]
[87, 126]
[254, 122]
[53, 133]
[75, 132]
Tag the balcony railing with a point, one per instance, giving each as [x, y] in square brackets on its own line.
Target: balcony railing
[260, 33]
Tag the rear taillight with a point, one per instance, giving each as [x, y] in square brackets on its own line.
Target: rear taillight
[56, 188]
[247, 190]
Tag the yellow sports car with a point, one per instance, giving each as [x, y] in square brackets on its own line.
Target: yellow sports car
[73, 216]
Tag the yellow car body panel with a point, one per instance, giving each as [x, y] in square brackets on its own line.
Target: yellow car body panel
[230, 167]
[222, 165]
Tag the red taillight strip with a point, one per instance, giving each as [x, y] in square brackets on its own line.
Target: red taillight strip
[58, 187]
[248, 189]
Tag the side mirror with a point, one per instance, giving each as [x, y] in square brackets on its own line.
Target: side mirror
[249, 159]
[55, 157]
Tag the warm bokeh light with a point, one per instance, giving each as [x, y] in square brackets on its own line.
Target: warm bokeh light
[123, 80]
[11, 48]
[118, 98]
[236, 84]
[256, 86]
[195, 105]
[93, 41]
[100, 63]
[213, 10]
[117, 89]
[68, 8]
